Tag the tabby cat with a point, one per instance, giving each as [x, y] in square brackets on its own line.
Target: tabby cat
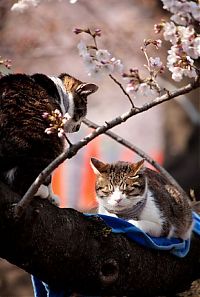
[143, 197]
[25, 149]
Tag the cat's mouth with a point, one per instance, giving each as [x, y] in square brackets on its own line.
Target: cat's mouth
[72, 127]
[116, 208]
[75, 128]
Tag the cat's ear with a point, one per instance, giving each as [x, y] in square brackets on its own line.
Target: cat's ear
[86, 89]
[98, 166]
[137, 166]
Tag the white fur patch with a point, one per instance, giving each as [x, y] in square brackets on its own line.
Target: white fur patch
[64, 96]
[151, 212]
[102, 210]
[43, 192]
[115, 197]
[10, 175]
[70, 110]
[150, 219]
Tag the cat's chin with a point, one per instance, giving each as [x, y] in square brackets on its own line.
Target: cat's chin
[117, 208]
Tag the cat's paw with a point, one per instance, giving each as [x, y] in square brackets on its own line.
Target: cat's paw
[54, 199]
[151, 228]
[43, 192]
[134, 222]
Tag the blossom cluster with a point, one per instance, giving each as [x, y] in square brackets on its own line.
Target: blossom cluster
[183, 11]
[136, 85]
[183, 37]
[97, 61]
[6, 63]
[57, 122]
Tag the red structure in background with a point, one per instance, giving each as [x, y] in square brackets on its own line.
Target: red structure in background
[59, 187]
[87, 191]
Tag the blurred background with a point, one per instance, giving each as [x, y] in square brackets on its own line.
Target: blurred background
[41, 40]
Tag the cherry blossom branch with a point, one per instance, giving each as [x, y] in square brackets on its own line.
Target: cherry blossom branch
[139, 152]
[74, 148]
[122, 88]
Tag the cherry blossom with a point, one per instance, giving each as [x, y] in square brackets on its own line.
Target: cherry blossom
[22, 5]
[97, 61]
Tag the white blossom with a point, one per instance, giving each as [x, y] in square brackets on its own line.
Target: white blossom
[196, 48]
[185, 32]
[90, 64]
[82, 48]
[192, 48]
[195, 10]
[100, 61]
[170, 32]
[118, 66]
[172, 5]
[180, 65]
[179, 19]
[95, 71]
[146, 90]
[155, 62]
[107, 68]
[131, 89]
[177, 73]
[61, 132]
[103, 55]
[22, 5]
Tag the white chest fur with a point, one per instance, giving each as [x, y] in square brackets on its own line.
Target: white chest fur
[151, 220]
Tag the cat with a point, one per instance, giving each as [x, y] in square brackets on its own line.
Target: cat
[25, 148]
[143, 197]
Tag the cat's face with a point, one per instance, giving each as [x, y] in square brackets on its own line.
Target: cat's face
[119, 186]
[77, 94]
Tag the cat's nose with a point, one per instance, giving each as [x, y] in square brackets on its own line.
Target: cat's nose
[118, 199]
[76, 128]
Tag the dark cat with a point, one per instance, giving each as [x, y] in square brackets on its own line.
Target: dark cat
[143, 197]
[25, 149]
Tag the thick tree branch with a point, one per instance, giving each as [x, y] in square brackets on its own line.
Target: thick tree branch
[71, 251]
[73, 149]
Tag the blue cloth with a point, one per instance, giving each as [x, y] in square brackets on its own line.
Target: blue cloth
[41, 289]
[176, 246]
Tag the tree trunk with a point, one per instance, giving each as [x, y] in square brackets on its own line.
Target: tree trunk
[69, 250]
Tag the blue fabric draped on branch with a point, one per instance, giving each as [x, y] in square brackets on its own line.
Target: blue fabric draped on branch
[176, 246]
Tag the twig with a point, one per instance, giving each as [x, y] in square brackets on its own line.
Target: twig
[67, 139]
[122, 88]
[74, 148]
[138, 151]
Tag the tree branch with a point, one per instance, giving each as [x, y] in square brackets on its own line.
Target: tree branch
[73, 149]
[122, 88]
[69, 250]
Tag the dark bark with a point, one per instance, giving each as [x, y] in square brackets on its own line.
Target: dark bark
[69, 250]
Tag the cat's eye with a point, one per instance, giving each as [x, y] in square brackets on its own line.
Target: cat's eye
[105, 190]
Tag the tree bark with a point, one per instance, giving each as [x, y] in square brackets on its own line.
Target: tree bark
[69, 250]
